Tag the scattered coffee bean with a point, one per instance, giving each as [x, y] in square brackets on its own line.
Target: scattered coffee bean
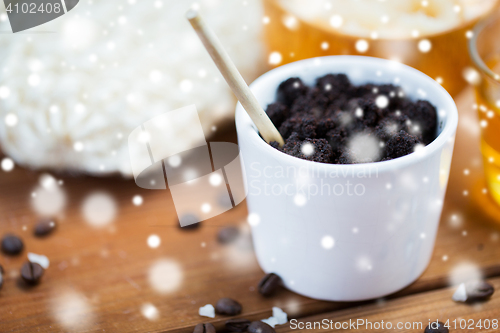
[260, 327]
[269, 284]
[204, 328]
[436, 328]
[227, 235]
[11, 244]
[228, 306]
[1, 276]
[237, 325]
[44, 227]
[478, 291]
[31, 272]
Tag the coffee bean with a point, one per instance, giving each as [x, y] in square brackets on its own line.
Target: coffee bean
[227, 235]
[44, 227]
[237, 325]
[269, 284]
[478, 291]
[436, 328]
[204, 328]
[1, 276]
[227, 306]
[260, 327]
[11, 244]
[31, 272]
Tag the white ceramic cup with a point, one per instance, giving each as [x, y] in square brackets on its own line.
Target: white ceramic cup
[346, 232]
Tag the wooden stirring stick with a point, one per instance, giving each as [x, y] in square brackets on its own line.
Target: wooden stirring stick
[234, 79]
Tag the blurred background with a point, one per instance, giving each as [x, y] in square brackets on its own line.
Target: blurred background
[73, 89]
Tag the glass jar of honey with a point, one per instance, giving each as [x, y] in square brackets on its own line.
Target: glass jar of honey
[429, 35]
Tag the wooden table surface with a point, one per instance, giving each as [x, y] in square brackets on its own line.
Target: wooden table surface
[105, 279]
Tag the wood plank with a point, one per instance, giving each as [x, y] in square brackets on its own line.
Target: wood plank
[415, 311]
[98, 279]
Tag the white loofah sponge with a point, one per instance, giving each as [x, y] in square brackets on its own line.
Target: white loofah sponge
[71, 92]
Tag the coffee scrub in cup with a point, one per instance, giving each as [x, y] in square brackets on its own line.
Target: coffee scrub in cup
[348, 208]
[429, 35]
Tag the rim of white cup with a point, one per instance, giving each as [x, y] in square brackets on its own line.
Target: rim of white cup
[246, 128]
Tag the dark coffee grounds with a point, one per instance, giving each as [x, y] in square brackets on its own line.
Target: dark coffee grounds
[340, 123]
